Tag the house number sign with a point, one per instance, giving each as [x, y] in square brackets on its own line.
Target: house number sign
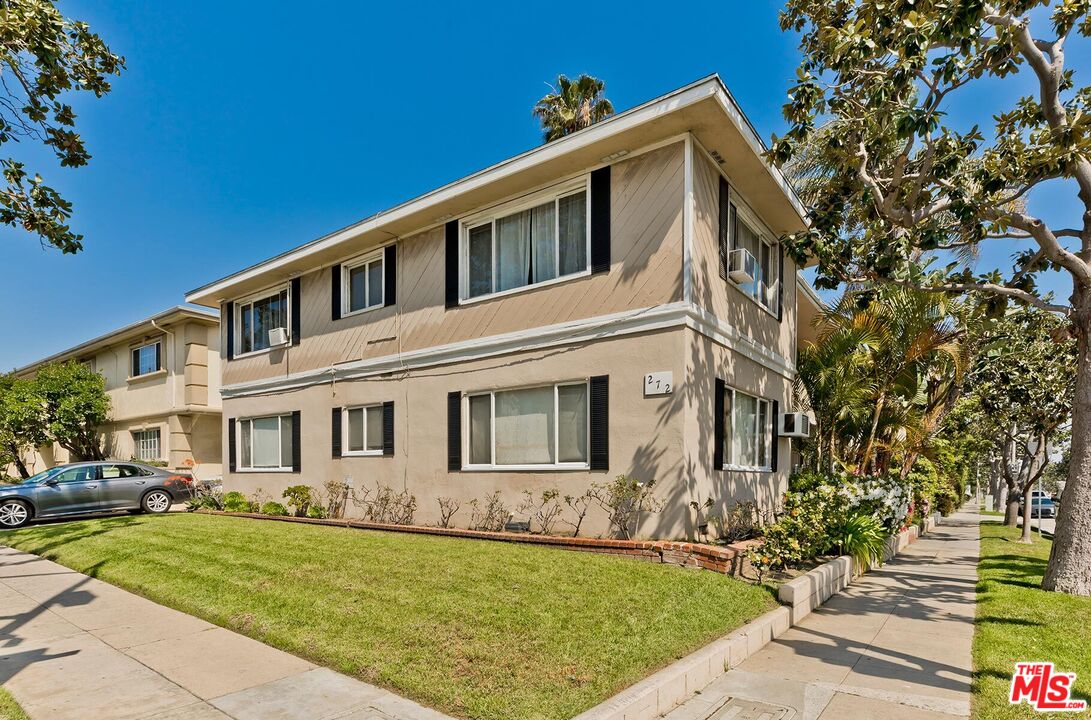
[658, 383]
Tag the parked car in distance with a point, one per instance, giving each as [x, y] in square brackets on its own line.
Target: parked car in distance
[1041, 506]
[92, 487]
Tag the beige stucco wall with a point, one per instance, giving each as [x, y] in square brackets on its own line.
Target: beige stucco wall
[645, 442]
[646, 199]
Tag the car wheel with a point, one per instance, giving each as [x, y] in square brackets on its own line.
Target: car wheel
[13, 514]
[157, 501]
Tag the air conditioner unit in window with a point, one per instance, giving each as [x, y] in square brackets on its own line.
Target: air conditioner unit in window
[797, 425]
[278, 336]
[743, 268]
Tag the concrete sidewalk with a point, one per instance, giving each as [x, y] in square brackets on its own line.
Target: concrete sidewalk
[895, 644]
[72, 647]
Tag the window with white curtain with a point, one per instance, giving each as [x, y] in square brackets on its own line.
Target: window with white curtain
[257, 316]
[528, 242]
[747, 431]
[764, 287]
[362, 284]
[265, 443]
[146, 443]
[545, 426]
[363, 428]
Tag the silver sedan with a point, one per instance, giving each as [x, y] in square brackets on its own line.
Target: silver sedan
[92, 487]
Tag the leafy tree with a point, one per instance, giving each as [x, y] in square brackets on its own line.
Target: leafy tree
[573, 105]
[76, 404]
[44, 55]
[22, 425]
[895, 179]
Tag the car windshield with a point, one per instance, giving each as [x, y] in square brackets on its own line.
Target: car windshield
[44, 475]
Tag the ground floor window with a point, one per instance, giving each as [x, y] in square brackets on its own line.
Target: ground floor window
[146, 443]
[545, 426]
[364, 430]
[747, 431]
[266, 443]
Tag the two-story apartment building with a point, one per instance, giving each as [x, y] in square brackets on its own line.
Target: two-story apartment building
[162, 375]
[568, 315]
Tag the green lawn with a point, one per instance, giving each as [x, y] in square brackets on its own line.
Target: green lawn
[473, 628]
[1017, 620]
[9, 709]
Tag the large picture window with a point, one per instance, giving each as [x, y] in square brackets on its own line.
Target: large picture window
[146, 443]
[537, 427]
[527, 243]
[747, 431]
[363, 430]
[266, 443]
[145, 359]
[362, 284]
[258, 316]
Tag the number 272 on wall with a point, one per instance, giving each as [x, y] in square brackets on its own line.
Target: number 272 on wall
[658, 383]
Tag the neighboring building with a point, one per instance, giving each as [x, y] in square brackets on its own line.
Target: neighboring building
[163, 378]
[553, 321]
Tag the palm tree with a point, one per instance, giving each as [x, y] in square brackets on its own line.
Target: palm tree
[573, 105]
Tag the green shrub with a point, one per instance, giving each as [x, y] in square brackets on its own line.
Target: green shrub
[235, 501]
[861, 535]
[299, 498]
[274, 508]
[926, 484]
[205, 499]
[317, 511]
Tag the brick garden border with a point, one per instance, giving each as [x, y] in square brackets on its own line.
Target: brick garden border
[725, 559]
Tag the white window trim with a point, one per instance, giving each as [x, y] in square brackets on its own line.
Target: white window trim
[158, 443]
[252, 298]
[492, 466]
[769, 450]
[238, 445]
[345, 452]
[760, 229]
[492, 214]
[346, 290]
[138, 348]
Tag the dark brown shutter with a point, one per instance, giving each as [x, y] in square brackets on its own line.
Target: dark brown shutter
[297, 310]
[450, 258]
[388, 428]
[390, 274]
[600, 220]
[780, 282]
[335, 431]
[725, 225]
[718, 425]
[159, 355]
[335, 292]
[231, 445]
[229, 311]
[599, 408]
[774, 451]
[454, 431]
[297, 445]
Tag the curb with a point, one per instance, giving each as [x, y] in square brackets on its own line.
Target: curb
[661, 692]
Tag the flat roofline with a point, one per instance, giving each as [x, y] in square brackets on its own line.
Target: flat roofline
[105, 339]
[709, 86]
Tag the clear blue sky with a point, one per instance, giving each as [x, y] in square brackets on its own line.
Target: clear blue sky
[243, 129]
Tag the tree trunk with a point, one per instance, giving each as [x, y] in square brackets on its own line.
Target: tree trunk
[1027, 506]
[1069, 568]
[13, 450]
[1011, 510]
[866, 456]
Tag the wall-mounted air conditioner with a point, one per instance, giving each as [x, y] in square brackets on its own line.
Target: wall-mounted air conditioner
[797, 425]
[743, 268]
[278, 336]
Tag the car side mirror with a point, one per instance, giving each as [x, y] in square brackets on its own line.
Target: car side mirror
[50, 482]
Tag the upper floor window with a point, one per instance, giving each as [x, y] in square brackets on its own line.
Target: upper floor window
[537, 427]
[258, 318]
[526, 242]
[146, 359]
[740, 231]
[763, 288]
[362, 283]
[748, 431]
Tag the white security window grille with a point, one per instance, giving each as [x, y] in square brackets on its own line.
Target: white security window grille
[147, 444]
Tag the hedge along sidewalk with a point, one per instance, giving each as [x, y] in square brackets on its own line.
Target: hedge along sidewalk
[726, 559]
[682, 681]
